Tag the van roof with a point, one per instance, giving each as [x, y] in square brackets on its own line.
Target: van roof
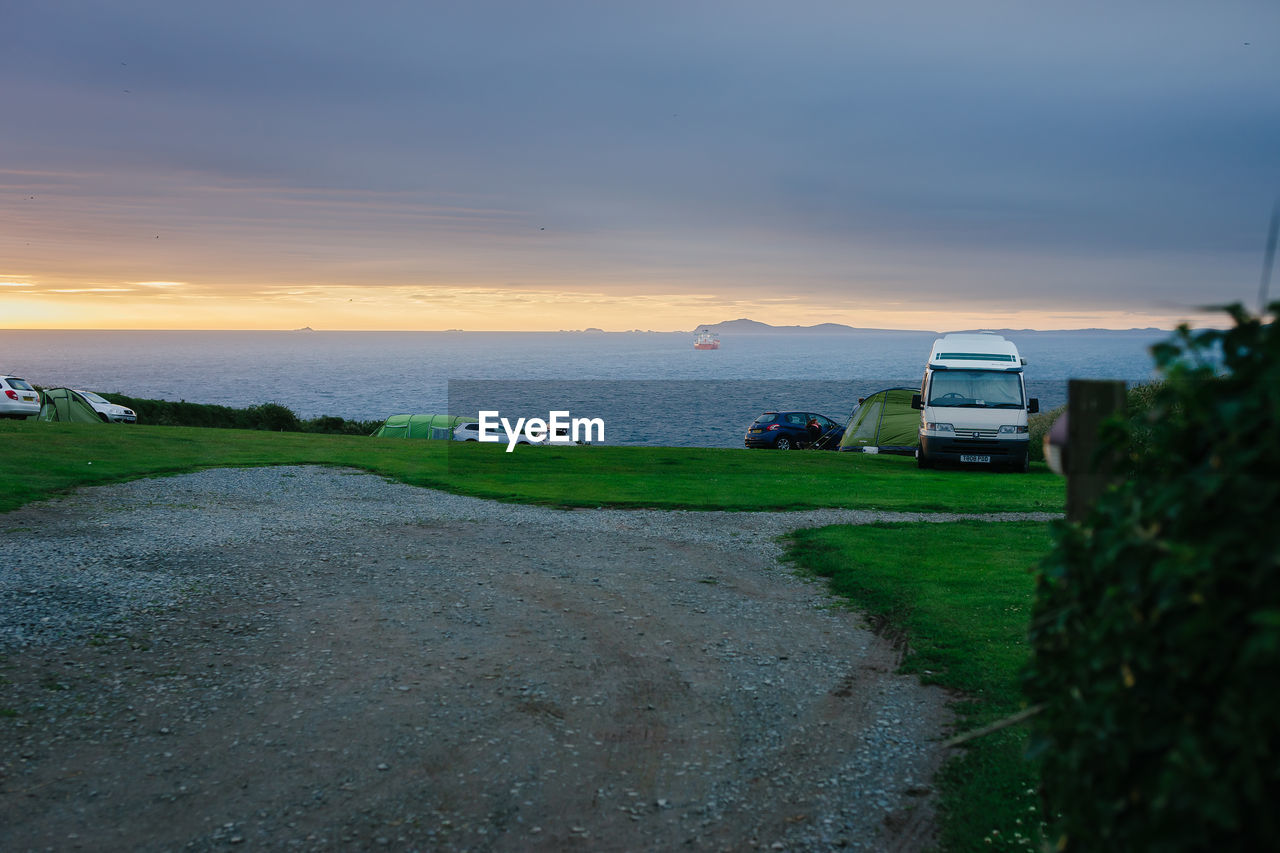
[984, 351]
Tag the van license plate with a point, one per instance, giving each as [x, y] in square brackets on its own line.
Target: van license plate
[975, 458]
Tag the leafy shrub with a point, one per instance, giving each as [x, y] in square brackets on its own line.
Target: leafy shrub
[274, 417]
[182, 413]
[266, 416]
[337, 426]
[1156, 631]
[1037, 426]
[1140, 399]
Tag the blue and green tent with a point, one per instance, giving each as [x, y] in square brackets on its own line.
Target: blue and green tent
[421, 426]
[884, 421]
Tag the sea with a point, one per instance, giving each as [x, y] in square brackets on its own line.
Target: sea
[649, 388]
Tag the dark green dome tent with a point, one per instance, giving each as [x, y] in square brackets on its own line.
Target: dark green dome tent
[884, 421]
[63, 404]
[421, 426]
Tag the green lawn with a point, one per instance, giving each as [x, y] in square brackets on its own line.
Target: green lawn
[961, 595]
[42, 459]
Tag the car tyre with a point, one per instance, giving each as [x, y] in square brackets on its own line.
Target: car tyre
[783, 443]
[923, 462]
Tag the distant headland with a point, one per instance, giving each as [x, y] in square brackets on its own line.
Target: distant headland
[744, 326]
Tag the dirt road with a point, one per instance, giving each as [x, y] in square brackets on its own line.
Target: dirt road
[314, 659]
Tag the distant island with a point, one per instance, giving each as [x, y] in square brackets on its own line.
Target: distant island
[1149, 330]
[754, 327]
[744, 326]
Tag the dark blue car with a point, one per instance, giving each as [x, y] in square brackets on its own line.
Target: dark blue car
[791, 430]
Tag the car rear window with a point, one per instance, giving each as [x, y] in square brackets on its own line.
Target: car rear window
[767, 418]
[20, 384]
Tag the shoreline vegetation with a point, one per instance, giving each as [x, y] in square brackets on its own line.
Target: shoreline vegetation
[265, 416]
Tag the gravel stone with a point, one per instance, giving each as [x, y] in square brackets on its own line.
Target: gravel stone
[308, 658]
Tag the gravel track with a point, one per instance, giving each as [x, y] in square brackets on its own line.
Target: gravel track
[309, 658]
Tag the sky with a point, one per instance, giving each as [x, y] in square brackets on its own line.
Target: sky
[550, 164]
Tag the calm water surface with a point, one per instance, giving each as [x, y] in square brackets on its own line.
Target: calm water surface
[649, 380]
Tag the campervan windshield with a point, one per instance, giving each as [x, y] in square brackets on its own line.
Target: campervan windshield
[975, 389]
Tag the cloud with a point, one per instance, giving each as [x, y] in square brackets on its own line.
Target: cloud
[90, 290]
[1113, 155]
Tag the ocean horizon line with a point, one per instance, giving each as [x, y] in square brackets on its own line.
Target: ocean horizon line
[820, 329]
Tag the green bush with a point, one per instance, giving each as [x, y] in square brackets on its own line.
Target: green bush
[182, 413]
[1156, 631]
[331, 425]
[266, 416]
[1037, 426]
[1140, 400]
[274, 417]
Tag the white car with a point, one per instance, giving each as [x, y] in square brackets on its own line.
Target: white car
[471, 432]
[18, 399]
[107, 409]
[467, 432]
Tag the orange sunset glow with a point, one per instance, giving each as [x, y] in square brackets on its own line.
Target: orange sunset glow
[164, 169]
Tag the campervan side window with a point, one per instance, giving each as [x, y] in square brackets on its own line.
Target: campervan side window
[975, 389]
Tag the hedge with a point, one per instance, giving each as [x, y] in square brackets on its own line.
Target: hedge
[1156, 631]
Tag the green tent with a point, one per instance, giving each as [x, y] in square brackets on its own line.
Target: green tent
[421, 426]
[63, 404]
[884, 421]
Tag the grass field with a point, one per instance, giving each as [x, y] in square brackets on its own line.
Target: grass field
[43, 459]
[960, 592]
[961, 596]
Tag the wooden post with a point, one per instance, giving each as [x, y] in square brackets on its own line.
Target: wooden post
[1089, 403]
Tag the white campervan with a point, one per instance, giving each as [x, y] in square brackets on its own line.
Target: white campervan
[974, 404]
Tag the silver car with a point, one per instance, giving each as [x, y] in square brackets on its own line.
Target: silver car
[471, 432]
[18, 399]
[109, 410]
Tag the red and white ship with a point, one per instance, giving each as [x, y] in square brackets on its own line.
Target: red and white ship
[706, 339]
